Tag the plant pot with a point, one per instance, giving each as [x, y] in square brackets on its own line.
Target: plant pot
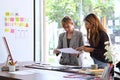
[12, 68]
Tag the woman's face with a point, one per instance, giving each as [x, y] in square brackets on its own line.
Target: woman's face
[68, 27]
[88, 25]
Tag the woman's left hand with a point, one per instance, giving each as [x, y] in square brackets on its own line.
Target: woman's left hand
[86, 49]
[80, 48]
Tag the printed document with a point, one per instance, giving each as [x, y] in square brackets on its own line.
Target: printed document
[68, 50]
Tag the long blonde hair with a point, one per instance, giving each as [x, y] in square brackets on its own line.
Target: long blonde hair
[93, 34]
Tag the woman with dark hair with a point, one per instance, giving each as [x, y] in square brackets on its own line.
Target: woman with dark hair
[97, 36]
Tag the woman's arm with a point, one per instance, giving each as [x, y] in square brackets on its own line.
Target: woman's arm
[60, 44]
[85, 48]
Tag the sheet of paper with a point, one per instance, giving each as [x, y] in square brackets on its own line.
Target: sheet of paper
[25, 72]
[68, 50]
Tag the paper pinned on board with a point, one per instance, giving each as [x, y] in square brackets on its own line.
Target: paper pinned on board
[68, 50]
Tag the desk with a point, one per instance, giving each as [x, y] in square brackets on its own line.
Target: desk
[42, 75]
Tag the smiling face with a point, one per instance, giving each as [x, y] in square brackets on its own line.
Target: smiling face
[68, 24]
[68, 27]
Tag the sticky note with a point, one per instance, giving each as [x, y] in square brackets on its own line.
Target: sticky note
[6, 24]
[17, 19]
[17, 24]
[7, 14]
[7, 30]
[22, 24]
[12, 30]
[26, 25]
[21, 19]
[7, 19]
[12, 19]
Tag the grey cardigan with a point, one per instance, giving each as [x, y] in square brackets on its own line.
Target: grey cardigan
[76, 41]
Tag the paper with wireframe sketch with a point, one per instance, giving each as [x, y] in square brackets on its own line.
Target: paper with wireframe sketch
[68, 50]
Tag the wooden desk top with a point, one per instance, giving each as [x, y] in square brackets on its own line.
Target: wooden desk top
[43, 75]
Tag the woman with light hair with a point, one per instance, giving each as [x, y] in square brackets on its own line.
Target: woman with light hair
[70, 38]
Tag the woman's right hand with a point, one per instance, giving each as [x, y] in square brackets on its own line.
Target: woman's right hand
[56, 51]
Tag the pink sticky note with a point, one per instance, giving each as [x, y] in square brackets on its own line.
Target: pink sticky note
[6, 24]
[21, 19]
[12, 19]
[12, 30]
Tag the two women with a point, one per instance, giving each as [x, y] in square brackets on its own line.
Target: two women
[96, 35]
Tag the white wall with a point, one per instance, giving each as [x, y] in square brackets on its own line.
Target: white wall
[21, 38]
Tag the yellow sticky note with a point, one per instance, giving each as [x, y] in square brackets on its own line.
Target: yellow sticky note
[21, 24]
[7, 30]
[7, 14]
[17, 24]
[7, 19]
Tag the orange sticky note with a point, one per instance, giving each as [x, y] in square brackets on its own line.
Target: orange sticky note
[27, 25]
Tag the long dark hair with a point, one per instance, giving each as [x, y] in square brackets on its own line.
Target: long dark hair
[93, 34]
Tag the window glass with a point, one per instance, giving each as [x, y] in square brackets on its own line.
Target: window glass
[106, 10]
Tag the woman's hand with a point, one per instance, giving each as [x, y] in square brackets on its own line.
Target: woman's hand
[80, 48]
[56, 51]
[86, 49]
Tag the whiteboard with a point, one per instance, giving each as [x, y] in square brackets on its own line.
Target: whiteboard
[17, 25]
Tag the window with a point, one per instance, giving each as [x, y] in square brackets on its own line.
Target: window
[55, 10]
